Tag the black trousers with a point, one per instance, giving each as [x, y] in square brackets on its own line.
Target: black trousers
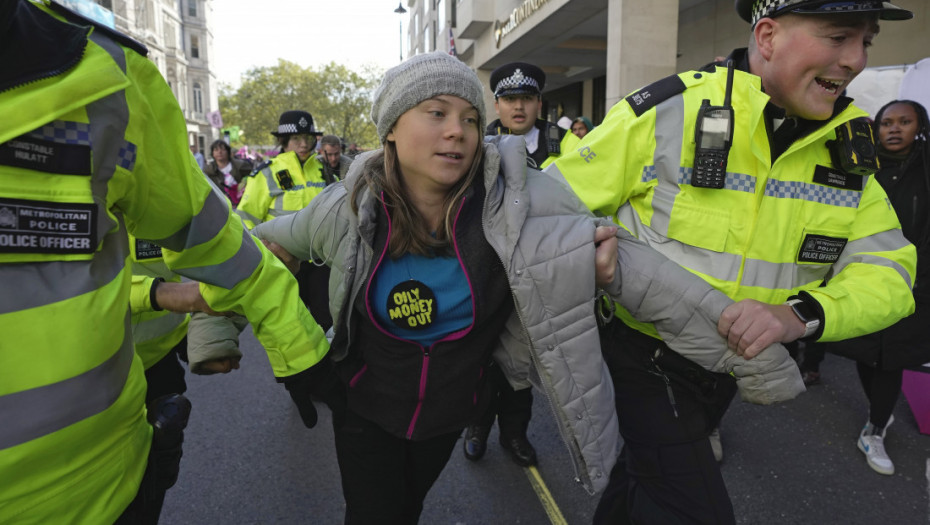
[163, 378]
[666, 473]
[512, 408]
[882, 388]
[386, 478]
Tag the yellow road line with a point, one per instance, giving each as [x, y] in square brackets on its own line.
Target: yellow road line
[542, 492]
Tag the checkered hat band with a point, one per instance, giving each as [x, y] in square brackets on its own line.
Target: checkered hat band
[764, 8]
[287, 128]
[516, 81]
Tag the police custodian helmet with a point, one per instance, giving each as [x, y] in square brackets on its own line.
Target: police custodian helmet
[753, 10]
[295, 122]
[517, 78]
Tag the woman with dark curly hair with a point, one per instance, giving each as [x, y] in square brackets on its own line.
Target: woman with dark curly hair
[904, 155]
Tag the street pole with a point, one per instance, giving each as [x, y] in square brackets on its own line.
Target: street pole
[400, 28]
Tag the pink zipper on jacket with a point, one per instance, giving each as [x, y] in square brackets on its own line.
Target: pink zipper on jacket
[424, 370]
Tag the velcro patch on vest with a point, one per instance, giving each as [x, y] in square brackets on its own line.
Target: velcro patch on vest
[821, 249]
[837, 178]
[46, 156]
[47, 227]
[411, 305]
[655, 93]
[146, 250]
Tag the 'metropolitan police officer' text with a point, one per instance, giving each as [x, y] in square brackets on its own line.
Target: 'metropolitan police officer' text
[46, 227]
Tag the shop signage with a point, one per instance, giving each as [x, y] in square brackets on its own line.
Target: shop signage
[517, 16]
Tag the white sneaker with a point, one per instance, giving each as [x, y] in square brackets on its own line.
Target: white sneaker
[873, 446]
[715, 444]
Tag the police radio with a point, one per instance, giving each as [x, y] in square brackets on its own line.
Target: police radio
[853, 151]
[284, 179]
[713, 135]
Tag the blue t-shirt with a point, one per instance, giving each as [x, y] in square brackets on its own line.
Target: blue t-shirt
[422, 299]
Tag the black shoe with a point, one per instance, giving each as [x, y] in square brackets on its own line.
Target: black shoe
[521, 451]
[475, 442]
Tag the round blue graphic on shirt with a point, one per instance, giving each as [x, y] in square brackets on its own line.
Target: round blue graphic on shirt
[411, 305]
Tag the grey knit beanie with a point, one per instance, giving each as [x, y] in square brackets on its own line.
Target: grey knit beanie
[422, 77]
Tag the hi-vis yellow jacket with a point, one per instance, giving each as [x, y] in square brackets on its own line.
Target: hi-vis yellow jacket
[154, 333]
[271, 193]
[774, 230]
[92, 145]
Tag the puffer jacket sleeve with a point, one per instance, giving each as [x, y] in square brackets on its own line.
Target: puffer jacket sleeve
[685, 309]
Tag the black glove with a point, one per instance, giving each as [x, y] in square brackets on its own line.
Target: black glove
[319, 380]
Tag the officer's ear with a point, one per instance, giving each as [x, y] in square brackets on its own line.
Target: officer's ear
[764, 36]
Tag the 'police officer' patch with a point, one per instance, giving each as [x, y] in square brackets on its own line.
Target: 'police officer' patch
[147, 250]
[47, 227]
[821, 249]
[411, 305]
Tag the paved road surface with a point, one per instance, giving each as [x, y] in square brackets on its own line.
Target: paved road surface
[249, 460]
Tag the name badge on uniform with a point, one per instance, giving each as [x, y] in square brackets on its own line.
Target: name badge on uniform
[838, 179]
[47, 227]
[821, 249]
[46, 156]
[147, 250]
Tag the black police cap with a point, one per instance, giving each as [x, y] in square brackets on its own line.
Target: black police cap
[752, 10]
[517, 78]
[295, 122]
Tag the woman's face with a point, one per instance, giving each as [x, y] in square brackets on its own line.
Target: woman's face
[436, 142]
[302, 145]
[579, 129]
[220, 155]
[898, 128]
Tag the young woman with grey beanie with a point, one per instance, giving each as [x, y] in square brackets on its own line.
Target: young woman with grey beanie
[444, 251]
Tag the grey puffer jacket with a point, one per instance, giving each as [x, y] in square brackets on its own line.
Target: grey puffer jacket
[544, 236]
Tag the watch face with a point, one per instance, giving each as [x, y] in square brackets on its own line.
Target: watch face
[804, 311]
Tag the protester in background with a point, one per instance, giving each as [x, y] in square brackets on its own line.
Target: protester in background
[810, 250]
[75, 445]
[881, 357]
[198, 155]
[335, 163]
[581, 126]
[227, 172]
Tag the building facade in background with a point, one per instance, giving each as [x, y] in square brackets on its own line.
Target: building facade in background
[595, 52]
[179, 36]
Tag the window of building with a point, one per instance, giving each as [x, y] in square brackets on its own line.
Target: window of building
[108, 4]
[429, 44]
[198, 98]
[195, 47]
[192, 7]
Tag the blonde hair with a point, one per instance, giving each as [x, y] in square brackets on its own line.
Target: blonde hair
[409, 230]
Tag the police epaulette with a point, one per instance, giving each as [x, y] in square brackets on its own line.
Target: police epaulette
[260, 167]
[654, 94]
[116, 36]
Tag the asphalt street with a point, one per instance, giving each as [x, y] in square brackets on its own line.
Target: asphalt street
[248, 459]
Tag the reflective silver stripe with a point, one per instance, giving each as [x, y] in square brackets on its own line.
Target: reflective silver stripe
[718, 265]
[202, 227]
[157, 326]
[279, 213]
[782, 189]
[248, 216]
[784, 276]
[29, 285]
[232, 271]
[670, 118]
[859, 251]
[39, 411]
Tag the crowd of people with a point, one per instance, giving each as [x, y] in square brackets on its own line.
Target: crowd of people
[638, 277]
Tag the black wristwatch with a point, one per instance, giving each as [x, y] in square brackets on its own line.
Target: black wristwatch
[807, 314]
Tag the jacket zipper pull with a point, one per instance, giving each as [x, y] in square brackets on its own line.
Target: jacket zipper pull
[668, 384]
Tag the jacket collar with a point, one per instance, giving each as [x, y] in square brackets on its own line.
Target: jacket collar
[35, 45]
